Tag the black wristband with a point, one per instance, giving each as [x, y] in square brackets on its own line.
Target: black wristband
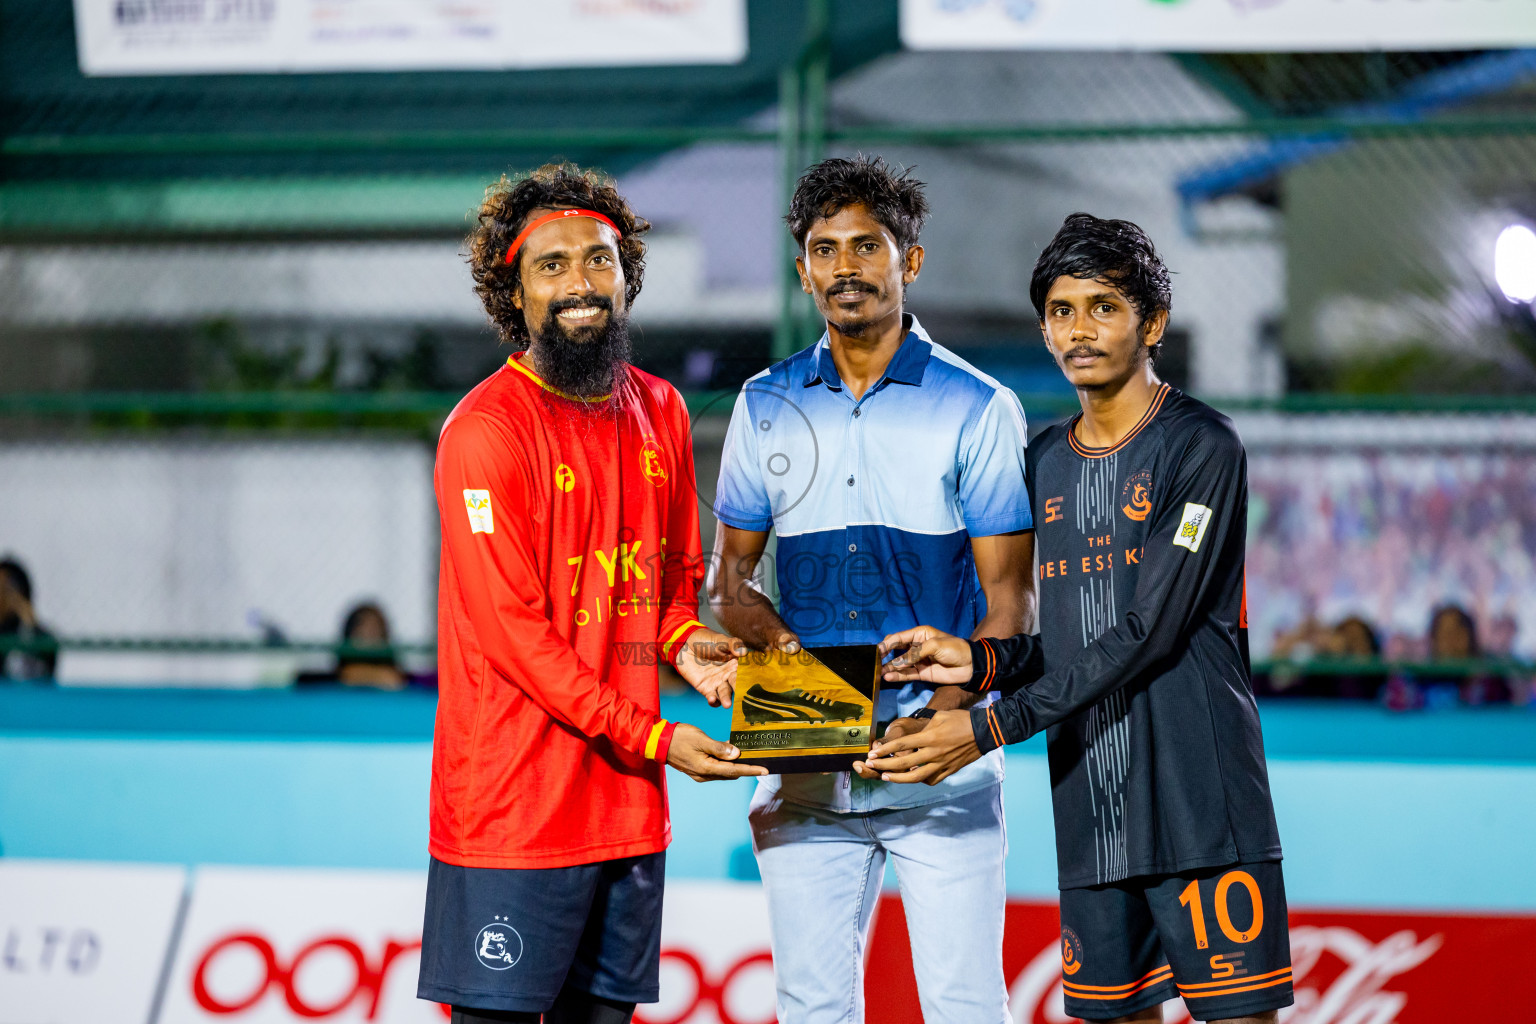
[923, 713]
[983, 667]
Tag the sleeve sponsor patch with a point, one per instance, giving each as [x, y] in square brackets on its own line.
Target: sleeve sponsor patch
[478, 504]
[1191, 528]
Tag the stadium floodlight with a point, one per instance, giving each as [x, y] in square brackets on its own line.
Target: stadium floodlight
[1514, 263]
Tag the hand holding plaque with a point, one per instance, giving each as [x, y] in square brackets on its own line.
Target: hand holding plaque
[808, 711]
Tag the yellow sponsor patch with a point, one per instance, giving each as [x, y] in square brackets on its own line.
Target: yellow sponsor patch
[1192, 526]
[478, 504]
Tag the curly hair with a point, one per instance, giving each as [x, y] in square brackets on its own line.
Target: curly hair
[894, 198]
[1095, 249]
[509, 205]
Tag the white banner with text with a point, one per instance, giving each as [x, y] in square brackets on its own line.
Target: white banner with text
[1217, 25]
[84, 943]
[176, 37]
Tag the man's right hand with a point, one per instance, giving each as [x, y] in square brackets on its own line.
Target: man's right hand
[704, 760]
[930, 656]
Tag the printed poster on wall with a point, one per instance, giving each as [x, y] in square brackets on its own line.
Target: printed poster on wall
[1217, 25]
[174, 37]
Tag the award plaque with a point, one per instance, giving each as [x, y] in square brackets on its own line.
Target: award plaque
[813, 711]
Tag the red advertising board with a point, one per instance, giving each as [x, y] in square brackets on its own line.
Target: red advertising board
[1351, 967]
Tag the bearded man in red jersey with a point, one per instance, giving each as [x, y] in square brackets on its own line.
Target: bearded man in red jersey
[570, 563]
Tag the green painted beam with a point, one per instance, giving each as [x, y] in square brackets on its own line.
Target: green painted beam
[359, 205]
[263, 143]
[345, 403]
[663, 138]
[1453, 668]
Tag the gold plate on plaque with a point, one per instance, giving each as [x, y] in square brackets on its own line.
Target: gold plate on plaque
[812, 711]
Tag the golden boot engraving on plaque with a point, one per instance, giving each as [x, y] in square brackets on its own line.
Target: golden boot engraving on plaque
[812, 711]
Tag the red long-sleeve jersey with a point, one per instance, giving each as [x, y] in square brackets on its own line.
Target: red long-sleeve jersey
[570, 562]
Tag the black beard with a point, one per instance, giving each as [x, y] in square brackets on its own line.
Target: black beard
[582, 361]
[854, 326]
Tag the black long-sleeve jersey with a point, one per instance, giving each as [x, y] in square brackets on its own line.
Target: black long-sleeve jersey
[1140, 670]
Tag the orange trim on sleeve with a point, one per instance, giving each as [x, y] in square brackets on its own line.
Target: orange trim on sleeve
[997, 734]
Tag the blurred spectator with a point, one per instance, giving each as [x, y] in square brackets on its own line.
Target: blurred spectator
[365, 629]
[1302, 643]
[1351, 639]
[18, 621]
[1452, 634]
[1452, 637]
[1354, 639]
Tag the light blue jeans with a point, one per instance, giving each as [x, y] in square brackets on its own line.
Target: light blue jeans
[822, 872]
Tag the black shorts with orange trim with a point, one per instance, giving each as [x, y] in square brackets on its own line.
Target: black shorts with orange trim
[1218, 937]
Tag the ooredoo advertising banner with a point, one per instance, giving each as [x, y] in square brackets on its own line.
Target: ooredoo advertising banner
[171, 37]
[716, 967]
[84, 943]
[1217, 25]
[261, 946]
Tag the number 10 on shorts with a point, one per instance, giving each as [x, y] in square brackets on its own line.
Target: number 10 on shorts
[1190, 898]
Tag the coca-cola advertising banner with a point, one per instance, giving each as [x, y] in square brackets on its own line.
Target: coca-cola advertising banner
[87, 944]
[1351, 967]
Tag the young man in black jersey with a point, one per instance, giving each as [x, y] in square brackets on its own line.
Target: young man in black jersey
[1167, 850]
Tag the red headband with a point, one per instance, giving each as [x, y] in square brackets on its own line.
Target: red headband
[517, 243]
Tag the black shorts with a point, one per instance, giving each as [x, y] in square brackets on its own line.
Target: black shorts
[1216, 936]
[511, 938]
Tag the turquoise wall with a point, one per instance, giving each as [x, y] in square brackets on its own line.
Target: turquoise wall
[1376, 810]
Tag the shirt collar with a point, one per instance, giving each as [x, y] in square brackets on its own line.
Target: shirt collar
[907, 366]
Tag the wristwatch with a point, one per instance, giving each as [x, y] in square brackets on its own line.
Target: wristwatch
[923, 713]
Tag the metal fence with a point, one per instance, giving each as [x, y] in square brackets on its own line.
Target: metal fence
[234, 311]
[224, 539]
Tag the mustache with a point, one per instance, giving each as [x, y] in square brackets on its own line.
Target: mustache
[851, 286]
[1083, 350]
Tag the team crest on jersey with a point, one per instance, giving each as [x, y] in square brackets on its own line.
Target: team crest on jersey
[565, 478]
[1136, 496]
[498, 946]
[651, 463]
[1192, 527]
[478, 505]
[1071, 952]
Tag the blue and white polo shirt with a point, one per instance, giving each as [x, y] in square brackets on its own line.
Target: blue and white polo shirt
[874, 503]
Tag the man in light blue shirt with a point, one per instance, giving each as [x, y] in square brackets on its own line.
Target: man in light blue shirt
[892, 474]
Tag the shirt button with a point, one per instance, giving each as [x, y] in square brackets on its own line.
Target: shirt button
[853, 615]
[852, 548]
[856, 414]
[850, 481]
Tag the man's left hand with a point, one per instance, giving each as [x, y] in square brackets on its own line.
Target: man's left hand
[900, 727]
[708, 662]
[931, 755]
